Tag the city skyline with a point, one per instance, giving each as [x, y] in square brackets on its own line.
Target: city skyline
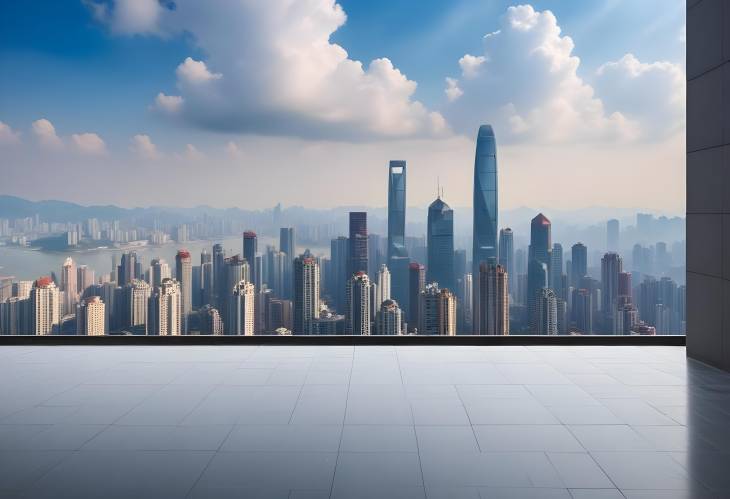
[425, 116]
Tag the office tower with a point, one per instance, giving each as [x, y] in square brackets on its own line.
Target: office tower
[84, 278]
[109, 293]
[21, 289]
[358, 300]
[197, 286]
[236, 270]
[465, 306]
[279, 315]
[340, 255]
[206, 283]
[69, 286]
[538, 267]
[306, 293]
[579, 263]
[562, 315]
[612, 236]
[383, 288]
[485, 207]
[275, 265]
[375, 254]
[416, 284]
[493, 299]
[45, 307]
[6, 288]
[358, 242]
[15, 316]
[440, 244]
[91, 317]
[259, 271]
[459, 264]
[159, 270]
[287, 245]
[611, 267]
[134, 310]
[165, 309]
[210, 321]
[437, 311]
[555, 281]
[582, 310]
[250, 249]
[219, 276]
[396, 210]
[184, 276]
[242, 310]
[547, 312]
[389, 319]
[506, 250]
[128, 268]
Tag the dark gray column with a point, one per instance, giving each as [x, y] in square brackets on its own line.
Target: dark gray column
[708, 181]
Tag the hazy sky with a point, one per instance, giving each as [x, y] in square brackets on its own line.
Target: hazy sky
[248, 102]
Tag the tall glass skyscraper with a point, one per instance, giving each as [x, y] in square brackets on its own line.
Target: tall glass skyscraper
[440, 243]
[358, 242]
[398, 259]
[485, 208]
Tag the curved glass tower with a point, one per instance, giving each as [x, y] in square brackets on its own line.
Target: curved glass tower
[485, 208]
[397, 209]
[440, 239]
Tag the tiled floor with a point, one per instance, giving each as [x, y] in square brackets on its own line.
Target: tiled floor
[352, 422]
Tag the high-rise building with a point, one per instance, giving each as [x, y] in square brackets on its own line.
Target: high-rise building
[555, 280]
[507, 250]
[547, 312]
[582, 310]
[165, 309]
[287, 245]
[84, 278]
[440, 243]
[45, 306]
[242, 318]
[210, 321]
[184, 276]
[538, 267]
[358, 242]
[389, 319]
[611, 268]
[206, 283]
[485, 207]
[128, 269]
[69, 286]
[358, 320]
[383, 288]
[340, 256]
[416, 284]
[465, 306]
[437, 311]
[250, 249]
[306, 293]
[134, 306]
[579, 263]
[159, 270]
[276, 262]
[236, 270]
[397, 253]
[219, 276]
[493, 300]
[90, 317]
[612, 236]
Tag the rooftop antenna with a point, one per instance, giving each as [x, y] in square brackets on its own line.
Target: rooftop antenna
[438, 188]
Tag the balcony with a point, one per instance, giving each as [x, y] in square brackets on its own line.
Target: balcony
[295, 421]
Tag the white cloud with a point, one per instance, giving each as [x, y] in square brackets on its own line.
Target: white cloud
[470, 65]
[7, 135]
[45, 132]
[233, 150]
[650, 94]
[168, 103]
[192, 71]
[452, 89]
[527, 85]
[128, 16]
[142, 146]
[192, 153]
[281, 74]
[89, 143]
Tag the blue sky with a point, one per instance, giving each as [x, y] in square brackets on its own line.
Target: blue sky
[89, 73]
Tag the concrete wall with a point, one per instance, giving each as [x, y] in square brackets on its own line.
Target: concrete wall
[708, 181]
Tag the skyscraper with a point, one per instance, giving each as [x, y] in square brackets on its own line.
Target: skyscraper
[210, 321]
[45, 307]
[583, 310]
[383, 288]
[397, 210]
[287, 245]
[128, 267]
[358, 242]
[134, 307]
[241, 314]
[184, 276]
[90, 317]
[84, 278]
[579, 263]
[611, 268]
[437, 311]
[236, 270]
[507, 250]
[389, 319]
[485, 207]
[306, 293]
[69, 286]
[440, 241]
[219, 276]
[612, 236]
[556, 270]
[250, 249]
[538, 267]
[416, 284]
[159, 270]
[165, 309]
[547, 312]
[340, 254]
[493, 300]
[358, 318]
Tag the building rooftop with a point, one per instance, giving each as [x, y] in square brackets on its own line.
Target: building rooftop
[362, 421]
